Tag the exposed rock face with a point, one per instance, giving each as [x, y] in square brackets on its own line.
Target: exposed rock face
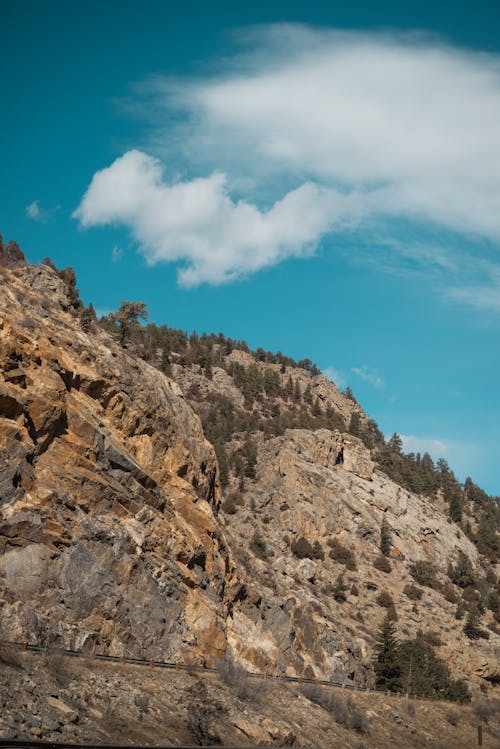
[304, 490]
[111, 534]
[107, 491]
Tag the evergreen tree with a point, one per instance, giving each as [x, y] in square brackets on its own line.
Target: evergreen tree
[396, 443]
[165, 366]
[127, 318]
[385, 538]
[297, 395]
[316, 409]
[355, 425]
[386, 661]
[462, 573]
[471, 626]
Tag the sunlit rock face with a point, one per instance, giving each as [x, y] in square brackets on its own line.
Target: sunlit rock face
[114, 536]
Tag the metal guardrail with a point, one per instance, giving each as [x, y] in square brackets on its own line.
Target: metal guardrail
[20, 744]
[127, 660]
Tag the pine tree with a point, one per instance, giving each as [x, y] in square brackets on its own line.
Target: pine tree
[386, 660]
[385, 538]
[127, 318]
[396, 443]
[471, 626]
[462, 573]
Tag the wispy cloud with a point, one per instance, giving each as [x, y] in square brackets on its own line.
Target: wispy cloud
[311, 132]
[34, 211]
[368, 375]
[116, 254]
[435, 447]
[335, 376]
[479, 288]
[455, 452]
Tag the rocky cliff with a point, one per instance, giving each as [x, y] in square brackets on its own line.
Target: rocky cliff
[116, 536]
[108, 487]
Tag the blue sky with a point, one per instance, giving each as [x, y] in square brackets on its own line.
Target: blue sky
[309, 177]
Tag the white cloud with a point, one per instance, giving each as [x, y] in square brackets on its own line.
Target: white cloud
[311, 132]
[116, 254]
[335, 376]
[435, 447]
[413, 122]
[368, 375]
[480, 297]
[34, 211]
[198, 224]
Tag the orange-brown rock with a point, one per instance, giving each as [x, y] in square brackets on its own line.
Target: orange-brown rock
[108, 488]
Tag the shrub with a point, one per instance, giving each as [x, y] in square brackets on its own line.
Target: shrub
[385, 600]
[460, 611]
[302, 549]
[410, 709]
[10, 656]
[258, 546]
[493, 601]
[462, 574]
[487, 709]
[424, 573]
[382, 563]
[452, 718]
[59, 666]
[340, 589]
[412, 592]
[318, 550]
[202, 714]
[450, 593]
[235, 676]
[430, 637]
[471, 596]
[342, 554]
[344, 711]
[472, 629]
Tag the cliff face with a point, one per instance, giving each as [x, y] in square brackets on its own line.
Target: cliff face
[107, 490]
[303, 491]
[114, 535]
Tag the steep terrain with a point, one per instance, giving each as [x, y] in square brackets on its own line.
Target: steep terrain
[107, 485]
[281, 543]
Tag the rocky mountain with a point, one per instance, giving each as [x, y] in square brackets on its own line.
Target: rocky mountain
[235, 504]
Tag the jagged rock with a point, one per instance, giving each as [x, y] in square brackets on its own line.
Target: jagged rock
[93, 440]
[111, 534]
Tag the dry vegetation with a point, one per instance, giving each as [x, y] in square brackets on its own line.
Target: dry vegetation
[133, 704]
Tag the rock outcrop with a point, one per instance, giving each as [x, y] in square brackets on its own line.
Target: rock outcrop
[114, 536]
[108, 488]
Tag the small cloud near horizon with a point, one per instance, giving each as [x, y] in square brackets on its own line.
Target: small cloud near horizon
[435, 447]
[116, 254]
[335, 376]
[34, 211]
[368, 375]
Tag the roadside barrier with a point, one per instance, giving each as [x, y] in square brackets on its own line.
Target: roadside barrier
[192, 668]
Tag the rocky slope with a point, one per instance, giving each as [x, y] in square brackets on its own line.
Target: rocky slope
[62, 699]
[115, 534]
[107, 491]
